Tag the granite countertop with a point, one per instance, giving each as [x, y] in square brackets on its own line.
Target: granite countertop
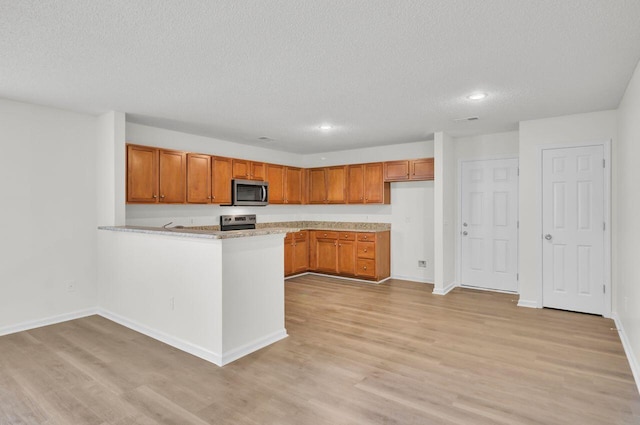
[294, 226]
[199, 232]
[214, 232]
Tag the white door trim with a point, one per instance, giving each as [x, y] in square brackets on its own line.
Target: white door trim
[606, 145]
[458, 230]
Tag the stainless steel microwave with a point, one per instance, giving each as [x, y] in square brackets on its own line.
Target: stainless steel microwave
[249, 193]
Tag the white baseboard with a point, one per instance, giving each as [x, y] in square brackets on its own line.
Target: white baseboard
[178, 343]
[243, 350]
[527, 303]
[32, 324]
[628, 350]
[412, 279]
[349, 278]
[445, 290]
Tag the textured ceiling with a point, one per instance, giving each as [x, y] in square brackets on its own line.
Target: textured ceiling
[381, 72]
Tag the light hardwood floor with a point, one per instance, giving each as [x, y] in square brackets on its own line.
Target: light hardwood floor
[356, 354]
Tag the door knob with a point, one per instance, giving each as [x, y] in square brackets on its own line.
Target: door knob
[465, 233]
[548, 237]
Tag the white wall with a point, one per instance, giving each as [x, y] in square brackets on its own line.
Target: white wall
[410, 212]
[566, 130]
[111, 169]
[48, 214]
[444, 214]
[627, 279]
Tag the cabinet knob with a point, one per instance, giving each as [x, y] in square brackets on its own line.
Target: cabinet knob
[365, 250]
[325, 234]
[155, 196]
[365, 236]
[162, 196]
[365, 267]
[209, 197]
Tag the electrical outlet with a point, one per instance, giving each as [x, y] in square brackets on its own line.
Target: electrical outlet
[71, 286]
[422, 264]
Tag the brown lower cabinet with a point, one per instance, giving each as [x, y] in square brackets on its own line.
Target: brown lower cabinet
[296, 253]
[363, 255]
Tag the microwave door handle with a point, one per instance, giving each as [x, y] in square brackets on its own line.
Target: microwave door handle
[264, 194]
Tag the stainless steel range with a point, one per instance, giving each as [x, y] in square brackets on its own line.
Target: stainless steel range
[238, 222]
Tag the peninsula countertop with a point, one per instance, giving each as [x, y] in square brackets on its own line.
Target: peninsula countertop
[214, 232]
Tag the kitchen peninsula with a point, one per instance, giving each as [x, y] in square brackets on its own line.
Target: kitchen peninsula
[217, 295]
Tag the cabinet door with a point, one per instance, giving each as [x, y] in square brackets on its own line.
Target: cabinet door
[173, 176]
[396, 171]
[221, 172]
[300, 256]
[326, 255]
[288, 254]
[257, 171]
[336, 178]
[198, 178]
[293, 185]
[347, 257]
[356, 184]
[317, 186]
[241, 169]
[275, 178]
[374, 185]
[142, 174]
[422, 169]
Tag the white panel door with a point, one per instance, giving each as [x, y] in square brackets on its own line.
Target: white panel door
[489, 227]
[573, 229]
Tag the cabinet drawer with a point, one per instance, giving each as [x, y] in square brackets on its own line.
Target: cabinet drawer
[321, 234]
[366, 250]
[367, 237]
[300, 236]
[347, 236]
[366, 268]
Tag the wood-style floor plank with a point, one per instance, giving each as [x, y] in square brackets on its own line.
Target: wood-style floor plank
[357, 353]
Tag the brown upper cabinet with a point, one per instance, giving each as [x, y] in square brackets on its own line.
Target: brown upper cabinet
[208, 179]
[328, 185]
[367, 185]
[155, 175]
[413, 169]
[275, 177]
[294, 185]
[221, 172]
[286, 184]
[198, 178]
[248, 170]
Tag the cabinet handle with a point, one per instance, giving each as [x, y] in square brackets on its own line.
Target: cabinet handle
[155, 196]
[209, 197]
[213, 197]
[162, 196]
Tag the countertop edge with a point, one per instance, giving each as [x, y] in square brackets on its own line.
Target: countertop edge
[199, 234]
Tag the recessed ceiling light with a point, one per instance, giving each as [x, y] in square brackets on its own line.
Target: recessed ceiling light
[326, 127]
[477, 96]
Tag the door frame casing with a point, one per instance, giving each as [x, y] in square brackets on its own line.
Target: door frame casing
[606, 148]
[458, 229]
